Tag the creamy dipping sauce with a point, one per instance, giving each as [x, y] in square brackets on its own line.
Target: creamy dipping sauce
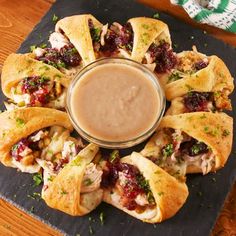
[114, 102]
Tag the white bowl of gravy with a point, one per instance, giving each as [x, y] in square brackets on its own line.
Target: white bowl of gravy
[115, 102]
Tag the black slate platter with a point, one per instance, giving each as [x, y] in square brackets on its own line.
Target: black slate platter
[207, 193]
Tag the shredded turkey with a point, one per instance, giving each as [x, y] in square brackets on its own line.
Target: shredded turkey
[91, 179]
[103, 33]
[69, 150]
[58, 40]
[39, 52]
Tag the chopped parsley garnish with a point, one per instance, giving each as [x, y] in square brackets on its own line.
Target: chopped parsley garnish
[90, 230]
[156, 15]
[32, 48]
[114, 156]
[95, 34]
[101, 217]
[168, 150]
[174, 76]
[88, 182]
[55, 18]
[144, 184]
[63, 192]
[44, 45]
[38, 179]
[20, 122]
[161, 193]
[225, 132]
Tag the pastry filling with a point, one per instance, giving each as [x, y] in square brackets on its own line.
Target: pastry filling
[39, 91]
[162, 55]
[118, 40]
[176, 151]
[127, 185]
[188, 64]
[52, 147]
[62, 54]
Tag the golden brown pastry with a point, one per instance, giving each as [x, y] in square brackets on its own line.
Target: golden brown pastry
[75, 190]
[29, 134]
[142, 189]
[82, 31]
[198, 72]
[197, 142]
[146, 32]
[28, 82]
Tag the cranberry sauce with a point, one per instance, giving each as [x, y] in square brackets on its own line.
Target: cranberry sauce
[37, 87]
[198, 101]
[193, 147]
[163, 56]
[66, 57]
[200, 65]
[119, 38]
[133, 185]
[22, 145]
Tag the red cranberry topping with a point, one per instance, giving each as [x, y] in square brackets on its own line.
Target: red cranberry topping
[197, 101]
[60, 164]
[110, 46]
[193, 147]
[70, 55]
[19, 147]
[67, 56]
[32, 84]
[200, 65]
[134, 185]
[164, 57]
[40, 96]
[121, 39]
[125, 37]
[52, 57]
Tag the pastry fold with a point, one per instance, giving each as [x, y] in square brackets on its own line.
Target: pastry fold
[76, 28]
[21, 123]
[147, 31]
[213, 129]
[64, 191]
[168, 192]
[215, 77]
[19, 66]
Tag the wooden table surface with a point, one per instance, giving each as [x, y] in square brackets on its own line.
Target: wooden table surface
[17, 19]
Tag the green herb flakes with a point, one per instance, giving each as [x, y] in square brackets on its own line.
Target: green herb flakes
[87, 182]
[20, 122]
[168, 150]
[101, 217]
[225, 133]
[156, 15]
[91, 230]
[55, 18]
[32, 48]
[174, 76]
[114, 156]
[38, 179]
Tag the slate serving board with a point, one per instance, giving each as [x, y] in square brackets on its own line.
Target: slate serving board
[207, 194]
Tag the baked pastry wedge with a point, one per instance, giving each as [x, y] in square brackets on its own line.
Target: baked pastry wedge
[32, 134]
[75, 190]
[197, 142]
[142, 39]
[197, 72]
[28, 82]
[82, 31]
[140, 188]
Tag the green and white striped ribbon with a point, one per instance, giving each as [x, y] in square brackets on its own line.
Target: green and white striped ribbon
[219, 13]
